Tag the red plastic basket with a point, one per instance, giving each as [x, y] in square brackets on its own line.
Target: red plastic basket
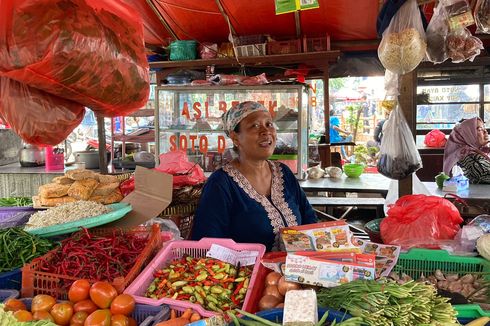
[197, 249]
[284, 47]
[36, 282]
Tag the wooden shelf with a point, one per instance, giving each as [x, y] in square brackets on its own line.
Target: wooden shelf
[314, 58]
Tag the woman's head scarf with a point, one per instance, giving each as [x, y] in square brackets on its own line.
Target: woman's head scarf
[462, 141]
[237, 113]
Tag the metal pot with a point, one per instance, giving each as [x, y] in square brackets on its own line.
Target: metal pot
[31, 155]
[90, 158]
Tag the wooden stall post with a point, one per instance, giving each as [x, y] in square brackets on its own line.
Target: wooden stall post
[102, 147]
[408, 106]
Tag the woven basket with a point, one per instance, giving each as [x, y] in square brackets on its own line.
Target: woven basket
[182, 216]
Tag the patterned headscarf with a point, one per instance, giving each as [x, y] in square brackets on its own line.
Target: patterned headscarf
[462, 141]
[237, 113]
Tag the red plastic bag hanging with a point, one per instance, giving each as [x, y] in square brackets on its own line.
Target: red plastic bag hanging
[185, 173]
[88, 51]
[127, 186]
[37, 117]
[420, 221]
[435, 138]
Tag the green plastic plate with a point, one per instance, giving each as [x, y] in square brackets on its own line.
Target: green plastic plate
[118, 211]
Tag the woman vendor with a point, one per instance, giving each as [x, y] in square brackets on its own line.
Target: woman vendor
[467, 147]
[251, 198]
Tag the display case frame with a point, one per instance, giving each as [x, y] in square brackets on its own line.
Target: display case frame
[208, 113]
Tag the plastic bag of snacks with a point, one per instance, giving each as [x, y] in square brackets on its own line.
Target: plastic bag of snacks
[437, 32]
[38, 117]
[88, 51]
[403, 45]
[482, 16]
[463, 46]
[399, 156]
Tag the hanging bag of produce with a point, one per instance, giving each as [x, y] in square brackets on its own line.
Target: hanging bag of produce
[482, 16]
[88, 51]
[403, 44]
[37, 117]
[399, 156]
[437, 32]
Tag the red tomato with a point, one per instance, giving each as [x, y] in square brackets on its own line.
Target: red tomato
[101, 317]
[102, 293]
[42, 315]
[78, 318]
[123, 304]
[119, 320]
[62, 313]
[23, 315]
[42, 302]
[132, 322]
[79, 291]
[14, 305]
[85, 305]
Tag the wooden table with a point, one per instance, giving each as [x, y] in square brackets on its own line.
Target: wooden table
[366, 183]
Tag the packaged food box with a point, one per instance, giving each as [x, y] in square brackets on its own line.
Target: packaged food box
[325, 236]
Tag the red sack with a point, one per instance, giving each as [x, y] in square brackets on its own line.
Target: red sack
[185, 173]
[420, 221]
[37, 117]
[88, 51]
[435, 138]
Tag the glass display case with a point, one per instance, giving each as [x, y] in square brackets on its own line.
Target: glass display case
[189, 118]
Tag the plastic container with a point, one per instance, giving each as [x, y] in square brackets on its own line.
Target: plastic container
[11, 280]
[55, 159]
[251, 50]
[316, 44]
[118, 211]
[8, 294]
[197, 249]
[275, 315]
[426, 261]
[372, 229]
[250, 39]
[15, 216]
[284, 47]
[353, 170]
[183, 50]
[34, 281]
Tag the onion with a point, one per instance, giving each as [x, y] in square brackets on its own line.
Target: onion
[284, 286]
[268, 302]
[272, 278]
[272, 290]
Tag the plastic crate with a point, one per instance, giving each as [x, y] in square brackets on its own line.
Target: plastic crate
[418, 261]
[251, 50]
[8, 294]
[198, 249]
[153, 320]
[249, 39]
[140, 314]
[284, 47]
[11, 280]
[316, 44]
[183, 50]
[275, 315]
[34, 281]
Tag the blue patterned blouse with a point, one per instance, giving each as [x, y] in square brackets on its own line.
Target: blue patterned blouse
[230, 207]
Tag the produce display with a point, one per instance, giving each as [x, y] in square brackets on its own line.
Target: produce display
[19, 248]
[95, 257]
[90, 305]
[66, 213]
[79, 184]
[188, 316]
[275, 288]
[15, 201]
[216, 285]
[390, 303]
[460, 289]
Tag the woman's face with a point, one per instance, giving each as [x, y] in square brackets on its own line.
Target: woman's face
[257, 136]
[482, 133]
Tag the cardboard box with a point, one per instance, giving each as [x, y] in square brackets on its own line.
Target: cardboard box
[152, 194]
[328, 269]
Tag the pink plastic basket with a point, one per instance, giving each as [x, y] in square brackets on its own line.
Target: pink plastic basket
[198, 249]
